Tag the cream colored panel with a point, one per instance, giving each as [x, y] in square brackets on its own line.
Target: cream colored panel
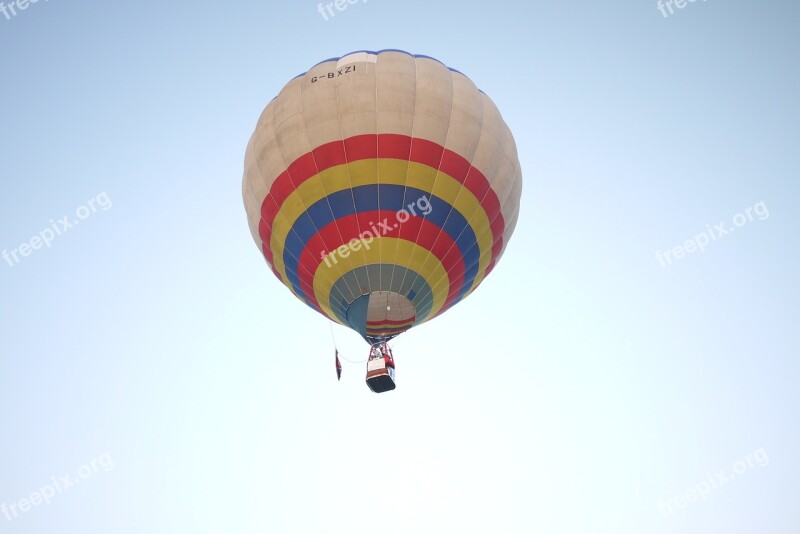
[357, 101]
[489, 152]
[319, 103]
[396, 88]
[255, 184]
[466, 121]
[510, 225]
[434, 101]
[358, 57]
[513, 201]
[507, 183]
[502, 181]
[258, 169]
[290, 128]
[266, 154]
[253, 207]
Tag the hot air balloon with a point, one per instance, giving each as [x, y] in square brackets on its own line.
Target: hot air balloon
[382, 188]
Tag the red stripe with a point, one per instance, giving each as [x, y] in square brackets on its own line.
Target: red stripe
[394, 146]
[384, 145]
[313, 303]
[361, 147]
[444, 249]
[457, 167]
[388, 322]
[386, 331]
[374, 326]
[269, 210]
[427, 153]
[330, 155]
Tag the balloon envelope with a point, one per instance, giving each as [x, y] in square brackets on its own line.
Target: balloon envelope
[382, 188]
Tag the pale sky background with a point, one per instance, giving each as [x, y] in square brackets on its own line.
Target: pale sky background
[582, 386]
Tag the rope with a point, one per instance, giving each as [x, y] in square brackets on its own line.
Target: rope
[352, 361]
[330, 324]
[337, 348]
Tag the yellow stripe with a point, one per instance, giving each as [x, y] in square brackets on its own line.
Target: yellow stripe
[389, 171]
[486, 253]
[433, 270]
[483, 265]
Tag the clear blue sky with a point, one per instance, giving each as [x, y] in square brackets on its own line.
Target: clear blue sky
[588, 386]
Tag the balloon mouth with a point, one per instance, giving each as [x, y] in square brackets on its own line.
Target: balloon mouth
[381, 315]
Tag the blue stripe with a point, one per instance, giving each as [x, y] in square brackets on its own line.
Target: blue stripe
[357, 315]
[390, 197]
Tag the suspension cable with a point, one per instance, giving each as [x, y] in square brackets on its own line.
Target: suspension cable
[337, 348]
